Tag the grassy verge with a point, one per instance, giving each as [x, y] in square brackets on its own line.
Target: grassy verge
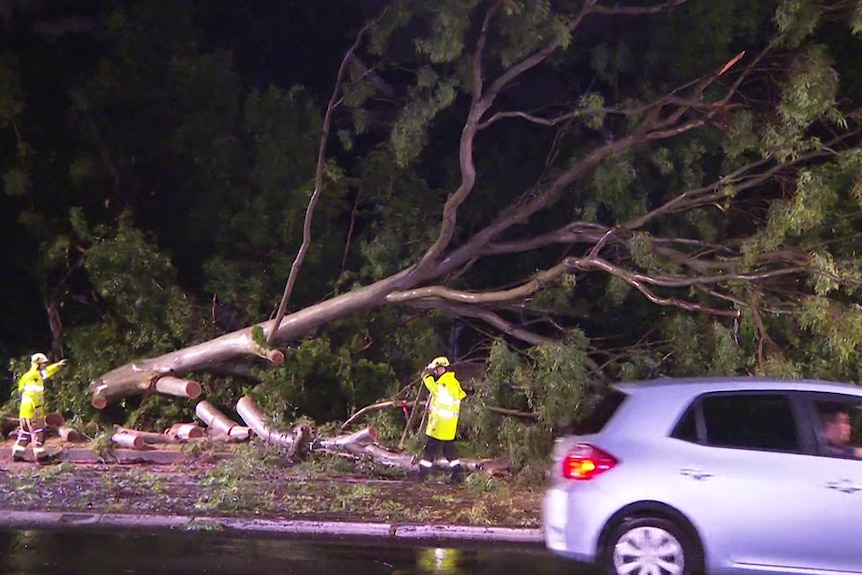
[257, 482]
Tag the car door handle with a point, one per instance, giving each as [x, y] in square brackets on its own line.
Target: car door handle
[844, 486]
[695, 473]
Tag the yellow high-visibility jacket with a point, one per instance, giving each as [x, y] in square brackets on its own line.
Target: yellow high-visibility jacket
[31, 388]
[446, 396]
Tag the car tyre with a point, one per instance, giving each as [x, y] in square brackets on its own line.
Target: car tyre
[651, 546]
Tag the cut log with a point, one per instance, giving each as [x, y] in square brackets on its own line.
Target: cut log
[70, 434]
[9, 427]
[128, 440]
[214, 418]
[149, 437]
[186, 431]
[254, 418]
[55, 420]
[170, 385]
[105, 393]
[237, 434]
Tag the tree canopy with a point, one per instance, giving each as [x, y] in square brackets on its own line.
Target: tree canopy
[568, 192]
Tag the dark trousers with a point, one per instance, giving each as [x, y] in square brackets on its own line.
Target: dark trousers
[432, 447]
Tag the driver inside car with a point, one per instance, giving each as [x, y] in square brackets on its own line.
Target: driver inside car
[836, 432]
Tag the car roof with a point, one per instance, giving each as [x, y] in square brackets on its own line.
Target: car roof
[655, 405]
[698, 385]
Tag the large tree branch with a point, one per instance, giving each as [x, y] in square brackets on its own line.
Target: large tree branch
[478, 106]
[574, 233]
[482, 102]
[652, 128]
[486, 315]
[318, 179]
[486, 297]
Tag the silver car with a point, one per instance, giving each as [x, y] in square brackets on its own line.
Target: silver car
[716, 475]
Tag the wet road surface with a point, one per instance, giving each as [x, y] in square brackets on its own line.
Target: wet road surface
[36, 552]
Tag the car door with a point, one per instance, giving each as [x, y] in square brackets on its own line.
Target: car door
[755, 477]
[836, 485]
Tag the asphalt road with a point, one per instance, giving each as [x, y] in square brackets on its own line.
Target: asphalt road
[128, 552]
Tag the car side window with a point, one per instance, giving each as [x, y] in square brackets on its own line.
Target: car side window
[751, 421]
[686, 428]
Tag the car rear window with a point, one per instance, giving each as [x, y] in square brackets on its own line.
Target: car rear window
[597, 416]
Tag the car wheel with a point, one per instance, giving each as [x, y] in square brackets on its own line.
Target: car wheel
[650, 546]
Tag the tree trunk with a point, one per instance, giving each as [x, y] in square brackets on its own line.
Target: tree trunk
[139, 376]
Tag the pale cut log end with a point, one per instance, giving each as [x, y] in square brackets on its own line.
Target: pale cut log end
[276, 356]
[193, 390]
[99, 401]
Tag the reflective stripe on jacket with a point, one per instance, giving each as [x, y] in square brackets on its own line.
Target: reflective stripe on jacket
[446, 396]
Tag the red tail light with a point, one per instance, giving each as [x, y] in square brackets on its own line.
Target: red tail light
[585, 461]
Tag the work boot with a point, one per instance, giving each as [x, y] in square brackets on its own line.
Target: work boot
[48, 455]
[424, 471]
[457, 475]
[18, 456]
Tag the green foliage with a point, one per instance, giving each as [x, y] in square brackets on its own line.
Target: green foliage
[322, 380]
[527, 26]
[131, 275]
[409, 134]
[856, 19]
[449, 22]
[611, 191]
[811, 87]
[553, 382]
[16, 182]
[12, 98]
[797, 19]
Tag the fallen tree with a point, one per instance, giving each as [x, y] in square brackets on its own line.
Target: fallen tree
[750, 263]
